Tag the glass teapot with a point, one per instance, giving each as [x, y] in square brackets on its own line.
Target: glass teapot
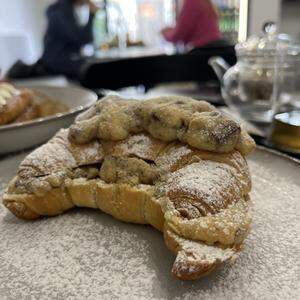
[250, 85]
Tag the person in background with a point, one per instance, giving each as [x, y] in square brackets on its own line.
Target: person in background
[69, 29]
[197, 25]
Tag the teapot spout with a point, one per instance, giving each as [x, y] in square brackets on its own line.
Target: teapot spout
[219, 65]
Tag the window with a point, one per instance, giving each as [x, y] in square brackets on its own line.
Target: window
[143, 19]
[229, 18]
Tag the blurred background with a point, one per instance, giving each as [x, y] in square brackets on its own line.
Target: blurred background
[23, 22]
[240, 55]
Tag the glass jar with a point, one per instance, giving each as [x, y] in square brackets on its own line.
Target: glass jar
[285, 130]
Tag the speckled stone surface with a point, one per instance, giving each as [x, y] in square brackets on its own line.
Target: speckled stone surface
[86, 254]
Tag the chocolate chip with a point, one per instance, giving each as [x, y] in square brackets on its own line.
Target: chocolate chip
[155, 117]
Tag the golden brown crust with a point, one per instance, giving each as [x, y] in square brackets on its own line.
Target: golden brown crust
[206, 186]
[46, 106]
[13, 103]
[31, 112]
[195, 259]
[228, 227]
[198, 198]
[19, 208]
[21, 105]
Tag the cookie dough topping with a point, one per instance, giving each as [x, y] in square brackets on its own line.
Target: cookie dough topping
[196, 123]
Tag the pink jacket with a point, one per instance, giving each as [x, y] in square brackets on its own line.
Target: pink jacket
[197, 24]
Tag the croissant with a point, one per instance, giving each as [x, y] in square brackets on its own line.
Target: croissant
[21, 105]
[13, 102]
[172, 162]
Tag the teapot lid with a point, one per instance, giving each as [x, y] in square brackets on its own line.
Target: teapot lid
[269, 44]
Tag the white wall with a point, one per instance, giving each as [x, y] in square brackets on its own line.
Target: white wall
[290, 21]
[24, 18]
[261, 11]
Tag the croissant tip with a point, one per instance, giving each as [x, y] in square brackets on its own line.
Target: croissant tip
[185, 270]
[20, 210]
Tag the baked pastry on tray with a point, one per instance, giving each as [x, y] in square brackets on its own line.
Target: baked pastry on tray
[20, 105]
[172, 162]
[13, 103]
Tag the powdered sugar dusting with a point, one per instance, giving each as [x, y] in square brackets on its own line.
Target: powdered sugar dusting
[49, 158]
[86, 154]
[173, 156]
[137, 145]
[193, 252]
[206, 180]
[59, 260]
[88, 255]
[207, 253]
[195, 256]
